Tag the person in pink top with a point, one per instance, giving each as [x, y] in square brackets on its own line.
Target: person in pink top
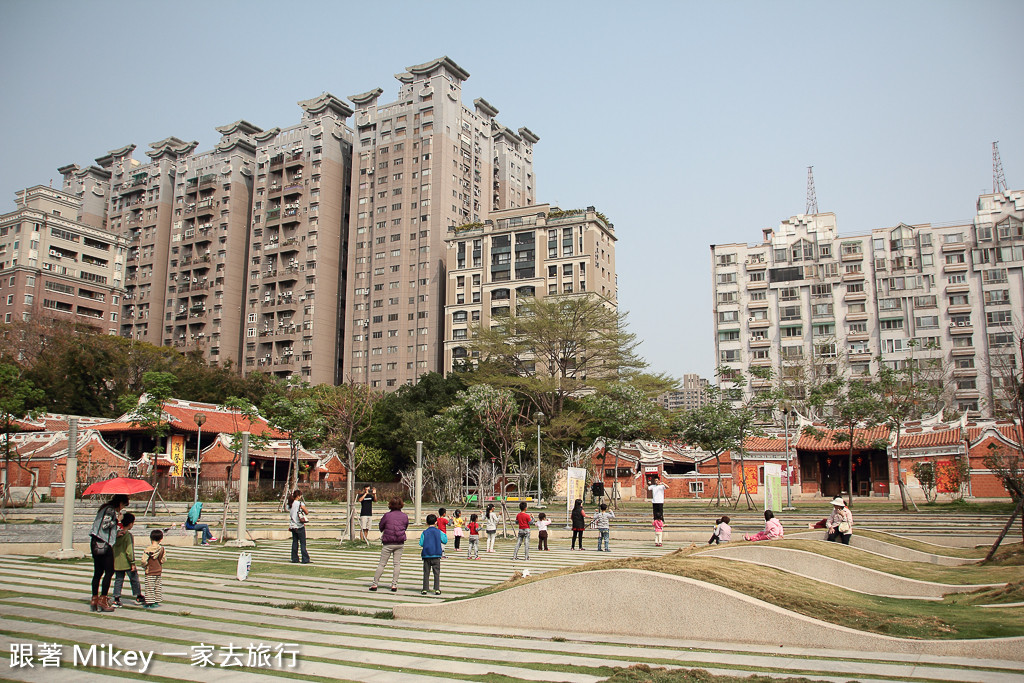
[772, 529]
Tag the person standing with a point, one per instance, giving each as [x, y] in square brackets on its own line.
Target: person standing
[102, 537]
[154, 557]
[839, 524]
[579, 523]
[542, 533]
[457, 524]
[603, 522]
[474, 538]
[124, 562]
[298, 515]
[523, 520]
[657, 487]
[432, 540]
[491, 526]
[366, 500]
[393, 526]
[659, 526]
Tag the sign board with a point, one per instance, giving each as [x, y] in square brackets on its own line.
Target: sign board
[178, 455]
[576, 482]
[773, 487]
[651, 468]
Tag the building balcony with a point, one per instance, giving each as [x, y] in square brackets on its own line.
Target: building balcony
[958, 288]
[758, 324]
[758, 304]
[954, 267]
[756, 266]
[855, 296]
[961, 328]
[853, 277]
[852, 257]
[960, 308]
[757, 285]
[954, 246]
[858, 336]
[965, 372]
[857, 316]
[760, 343]
[962, 351]
[294, 188]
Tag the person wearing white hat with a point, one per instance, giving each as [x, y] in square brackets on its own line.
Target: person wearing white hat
[839, 524]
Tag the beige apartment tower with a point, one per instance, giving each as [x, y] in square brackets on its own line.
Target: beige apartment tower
[518, 254]
[422, 164]
[208, 247]
[296, 269]
[806, 301]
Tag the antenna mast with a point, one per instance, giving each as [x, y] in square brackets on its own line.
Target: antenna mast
[812, 197]
[998, 179]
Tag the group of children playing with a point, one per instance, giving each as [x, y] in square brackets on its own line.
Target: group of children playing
[124, 564]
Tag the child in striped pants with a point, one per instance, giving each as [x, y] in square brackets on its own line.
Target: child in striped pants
[154, 557]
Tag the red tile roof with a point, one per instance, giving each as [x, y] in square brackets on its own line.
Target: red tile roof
[769, 444]
[1009, 431]
[181, 415]
[938, 437]
[827, 442]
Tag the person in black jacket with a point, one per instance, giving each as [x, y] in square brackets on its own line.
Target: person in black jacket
[578, 518]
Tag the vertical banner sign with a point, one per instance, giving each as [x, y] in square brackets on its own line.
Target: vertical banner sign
[178, 455]
[750, 476]
[773, 487]
[576, 481]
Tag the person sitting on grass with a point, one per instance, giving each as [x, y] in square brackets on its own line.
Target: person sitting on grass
[772, 529]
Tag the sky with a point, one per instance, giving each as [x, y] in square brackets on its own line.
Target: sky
[686, 123]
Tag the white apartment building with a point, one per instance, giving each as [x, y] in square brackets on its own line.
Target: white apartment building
[519, 254]
[806, 300]
[694, 393]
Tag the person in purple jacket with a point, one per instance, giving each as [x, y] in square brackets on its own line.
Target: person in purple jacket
[392, 537]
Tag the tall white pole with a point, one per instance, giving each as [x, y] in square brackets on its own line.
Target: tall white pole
[67, 525]
[539, 417]
[241, 540]
[419, 480]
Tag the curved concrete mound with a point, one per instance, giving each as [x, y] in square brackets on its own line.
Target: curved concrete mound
[678, 607]
[890, 550]
[836, 572]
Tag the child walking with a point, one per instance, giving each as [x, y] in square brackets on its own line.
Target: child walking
[154, 557]
[491, 525]
[473, 553]
[542, 535]
[603, 522]
[457, 523]
[523, 520]
[722, 533]
[659, 525]
[432, 541]
[124, 562]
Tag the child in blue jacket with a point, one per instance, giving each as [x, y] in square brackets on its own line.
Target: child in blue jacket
[432, 541]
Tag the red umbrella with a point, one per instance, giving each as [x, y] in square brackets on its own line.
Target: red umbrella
[124, 485]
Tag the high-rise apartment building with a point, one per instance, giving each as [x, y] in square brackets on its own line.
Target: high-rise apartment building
[54, 264]
[519, 254]
[422, 164]
[141, 200]
[208, 247]
[693, 394]
[296, 269]
[807, 302]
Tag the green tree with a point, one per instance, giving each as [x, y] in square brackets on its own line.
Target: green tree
[846, 406]
[347, 412]
[243, 414]
[374, 464]
[924, 472]
[147, 411]
[751, 410]
[715, 429]
[297, 414]
[17, 394]
[623, 412]
[907, 389]
[553, 347]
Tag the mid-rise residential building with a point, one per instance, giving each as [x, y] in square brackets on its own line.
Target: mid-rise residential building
[694, 393]
[208, 247]
[809, 303]
[423, 163]
[517, 254]
[296, 271]
[54, 265]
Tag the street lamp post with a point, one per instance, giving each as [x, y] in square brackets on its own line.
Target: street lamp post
[199, 419]
[789, 470]
[540, 418]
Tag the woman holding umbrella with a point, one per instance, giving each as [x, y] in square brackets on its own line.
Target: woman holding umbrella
[102, 536]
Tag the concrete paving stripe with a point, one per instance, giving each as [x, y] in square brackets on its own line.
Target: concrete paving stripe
[313, 667]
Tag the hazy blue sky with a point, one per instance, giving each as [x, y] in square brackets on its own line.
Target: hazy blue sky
[686, 123]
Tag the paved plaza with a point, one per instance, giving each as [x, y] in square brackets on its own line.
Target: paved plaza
[245, 637]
